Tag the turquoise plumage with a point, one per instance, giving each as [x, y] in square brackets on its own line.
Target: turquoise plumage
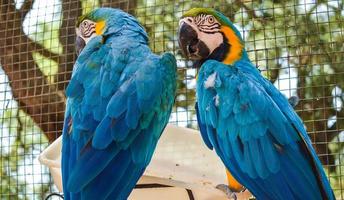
[119, 101]
[249, 123]
[260, 138]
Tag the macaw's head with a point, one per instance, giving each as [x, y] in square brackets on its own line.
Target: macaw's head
[105, 22]
[205, 33]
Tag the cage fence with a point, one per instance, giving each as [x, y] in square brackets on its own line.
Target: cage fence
[298, 45]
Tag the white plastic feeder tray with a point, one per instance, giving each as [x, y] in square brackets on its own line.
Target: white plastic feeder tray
[181, 160]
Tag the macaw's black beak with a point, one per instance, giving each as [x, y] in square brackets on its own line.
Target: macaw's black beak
[189, 43]
[79, 45]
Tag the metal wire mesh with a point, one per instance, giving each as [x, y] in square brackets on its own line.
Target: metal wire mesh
[297, 44]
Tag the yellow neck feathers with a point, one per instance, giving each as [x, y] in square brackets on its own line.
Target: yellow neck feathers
[236, 46]
[100, 27]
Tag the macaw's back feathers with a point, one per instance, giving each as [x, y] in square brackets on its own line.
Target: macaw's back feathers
[119, 101]
[257, 134]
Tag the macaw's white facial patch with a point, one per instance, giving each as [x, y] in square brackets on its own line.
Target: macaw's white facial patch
[212, 41]
[208, 30]
[86, 30]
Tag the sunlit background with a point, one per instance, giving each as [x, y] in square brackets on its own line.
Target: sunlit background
[298, 45]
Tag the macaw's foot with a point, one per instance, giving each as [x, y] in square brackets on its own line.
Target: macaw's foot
[224, 188]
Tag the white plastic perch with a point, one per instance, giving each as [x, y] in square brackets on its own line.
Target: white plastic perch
[181, 160]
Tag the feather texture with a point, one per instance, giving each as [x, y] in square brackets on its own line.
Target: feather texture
[257, 134]
[116, 110]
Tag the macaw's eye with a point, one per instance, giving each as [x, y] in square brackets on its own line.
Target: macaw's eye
[211, 19]
[84, 24]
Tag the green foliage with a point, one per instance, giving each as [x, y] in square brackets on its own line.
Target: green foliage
[48, 67]
[20, 137]
[89, 5]
[47, 35]
[304, 40]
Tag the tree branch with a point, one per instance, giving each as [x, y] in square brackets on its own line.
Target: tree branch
[71, 10]
[19, 130]
[30, 88]
[25, 8]
[274, 73]
[310, 108]
[34, 46]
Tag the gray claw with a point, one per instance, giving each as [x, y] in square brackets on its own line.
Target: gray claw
[229, 193]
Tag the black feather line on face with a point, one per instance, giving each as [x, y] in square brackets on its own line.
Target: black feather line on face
[209, 32]
[200, 19]
[211, 26]
[87, 29]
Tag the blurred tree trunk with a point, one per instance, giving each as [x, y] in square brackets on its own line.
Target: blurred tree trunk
[71, 10]
[30, 88]
[43, 101]
[313, 109]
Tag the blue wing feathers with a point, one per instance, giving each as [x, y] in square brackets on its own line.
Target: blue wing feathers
[226, 103]
[102, 136]
[119, 129]
[139, 149]
[107, 87]
[270, 154]
[116, 106]
[130, 138]
[295, 182]
[127, 183]
[146, 121]
[255, 136]
[211, 135]
[203, 128]
[133, 113]
[119, 109]
[100, 110]
[257, 157]
[81, 173]
[66, 150]
[74, 88]
[100, 189]
[213, 113]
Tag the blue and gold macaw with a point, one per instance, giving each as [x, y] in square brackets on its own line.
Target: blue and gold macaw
[249, 123]
[119, 101]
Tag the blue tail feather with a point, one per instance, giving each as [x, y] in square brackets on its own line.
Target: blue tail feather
[82, 172]
[109, 178]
